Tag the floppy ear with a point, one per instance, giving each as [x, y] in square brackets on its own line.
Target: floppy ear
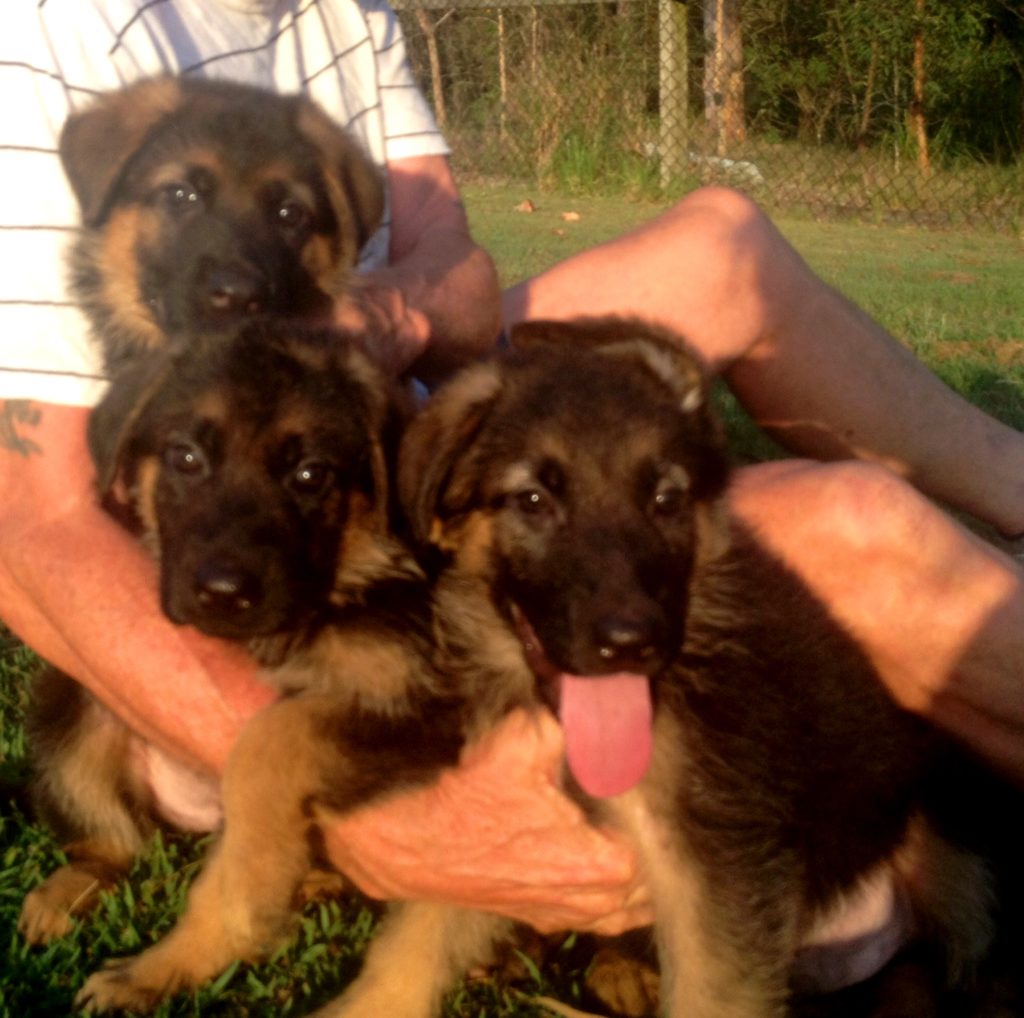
[666, 354]
[97, 143]
[370, 551]
[386, 413]
[114, 421]
[435, 442]
[355, 185]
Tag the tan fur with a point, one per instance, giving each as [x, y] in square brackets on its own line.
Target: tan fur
[243, 903]
[416, 956]
[626, 984]
[359, 202]
[378, 673]
[145, 488]
[116, 254]
[86, 776]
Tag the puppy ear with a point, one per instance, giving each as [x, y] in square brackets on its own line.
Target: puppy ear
[429, 486]
[355, 185]
[370, 551]
[97, 143]
[113, 424]
[664, 353]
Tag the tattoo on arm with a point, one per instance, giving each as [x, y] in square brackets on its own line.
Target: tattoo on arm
[16, 415]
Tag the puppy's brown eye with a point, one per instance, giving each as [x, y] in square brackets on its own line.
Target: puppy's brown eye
[179, 198]
[185, 458]
[670, 501]
[532, 502]
[310, 477]
[293, 216]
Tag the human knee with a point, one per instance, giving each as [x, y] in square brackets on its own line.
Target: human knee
[868, 505]
[724, 216]
[745, 264]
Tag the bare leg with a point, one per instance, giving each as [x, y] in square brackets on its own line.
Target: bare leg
[807, 364]
[939, 611]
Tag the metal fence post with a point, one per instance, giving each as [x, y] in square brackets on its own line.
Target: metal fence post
[673, 89]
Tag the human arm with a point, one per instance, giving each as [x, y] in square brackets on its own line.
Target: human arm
[435, 306]
[939, 611]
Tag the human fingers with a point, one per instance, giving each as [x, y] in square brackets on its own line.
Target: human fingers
[497, 834]
[394, 333]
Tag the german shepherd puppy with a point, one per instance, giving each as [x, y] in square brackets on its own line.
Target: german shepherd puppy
[712, 709]
[571, 494]
[206, 202]
[255, 467]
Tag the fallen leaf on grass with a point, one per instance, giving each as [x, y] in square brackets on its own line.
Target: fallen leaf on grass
[571, 217]
[526, 206]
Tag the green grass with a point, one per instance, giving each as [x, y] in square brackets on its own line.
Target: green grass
[956, 299]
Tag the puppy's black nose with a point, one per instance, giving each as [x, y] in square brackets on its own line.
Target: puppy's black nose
[235, 290]
[225, 589]
[627, 642]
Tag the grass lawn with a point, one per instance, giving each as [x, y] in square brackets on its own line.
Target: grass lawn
[956, 299]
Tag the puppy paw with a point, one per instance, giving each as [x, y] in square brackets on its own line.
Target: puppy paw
[43, 919]
[48, 910]
[626, 985]
[123, 984]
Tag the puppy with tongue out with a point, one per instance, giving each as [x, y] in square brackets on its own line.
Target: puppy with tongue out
[570, 495]
[575, 500]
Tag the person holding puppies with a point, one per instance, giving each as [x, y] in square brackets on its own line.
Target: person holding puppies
[939, 611]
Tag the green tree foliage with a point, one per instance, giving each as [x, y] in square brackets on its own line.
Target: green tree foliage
[840, 71]
[816, 71]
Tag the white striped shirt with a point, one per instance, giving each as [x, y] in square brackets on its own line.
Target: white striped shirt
[348, 55]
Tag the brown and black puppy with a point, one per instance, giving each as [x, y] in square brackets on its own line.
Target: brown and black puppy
[712, 710]
[205, 202]
[572, 495]
[255, 468]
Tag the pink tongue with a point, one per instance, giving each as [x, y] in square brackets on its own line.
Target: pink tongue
[607, 725]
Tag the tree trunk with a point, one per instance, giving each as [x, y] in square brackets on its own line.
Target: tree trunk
[867, 107]
[916, 113]
[429, 30]
[723, 73]
[502, 75]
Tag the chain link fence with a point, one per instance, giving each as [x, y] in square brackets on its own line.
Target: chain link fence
[658, 96]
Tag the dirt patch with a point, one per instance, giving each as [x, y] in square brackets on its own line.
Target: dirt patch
[1005, 352]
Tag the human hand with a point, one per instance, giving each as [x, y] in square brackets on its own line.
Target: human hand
[497, 834]
[375, 308]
